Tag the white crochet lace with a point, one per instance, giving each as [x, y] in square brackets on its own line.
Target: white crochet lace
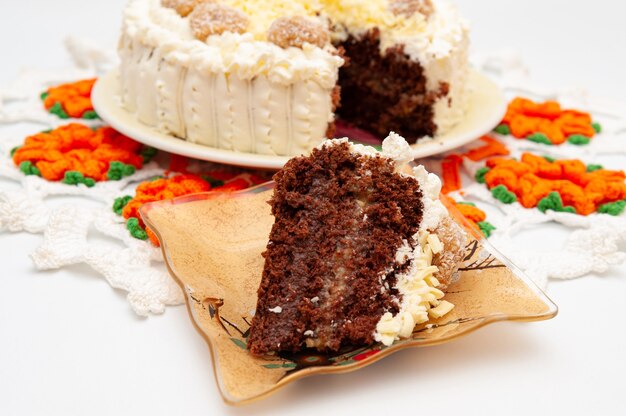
[73, 230]
[593, 243]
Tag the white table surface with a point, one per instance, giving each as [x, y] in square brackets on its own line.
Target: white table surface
[70, 345]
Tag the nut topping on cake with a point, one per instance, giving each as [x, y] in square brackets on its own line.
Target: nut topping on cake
[214, 19]
[296, 31]
[182, 7]
[408, 8]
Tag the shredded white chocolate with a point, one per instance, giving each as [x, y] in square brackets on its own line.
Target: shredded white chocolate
[420, 296]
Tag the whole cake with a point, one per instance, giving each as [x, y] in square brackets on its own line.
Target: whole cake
[360, 252]
[270, 76]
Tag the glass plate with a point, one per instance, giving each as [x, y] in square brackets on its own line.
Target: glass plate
[212, 244]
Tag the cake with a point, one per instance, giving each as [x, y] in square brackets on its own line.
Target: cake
[360, 252]
[272, 76]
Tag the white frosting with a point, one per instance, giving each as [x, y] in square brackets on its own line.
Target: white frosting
[453, 70]
[434, 210]
[397, 149]
[231, 92]
[264, 12]
[394, 147]
[425, 39]
[158, 27]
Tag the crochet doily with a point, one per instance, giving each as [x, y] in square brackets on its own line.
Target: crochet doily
[78, 225]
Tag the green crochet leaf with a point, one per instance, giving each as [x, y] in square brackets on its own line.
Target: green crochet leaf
[554, 202]
[486, 228]
[613, 208]
[502, 194]
[578, 139]
[135, 229]
[503, 129]
[29, 169]
[57, 109]
[597, 127]
[593, 168]
[215, 183]
[73, 177]
[120, 203]
[118, 170]
[480, 174]
[539, 138]
[90, 115]
[148, 153]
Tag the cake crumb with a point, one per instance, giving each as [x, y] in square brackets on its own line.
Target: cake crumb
[309, 333]
[277, 309]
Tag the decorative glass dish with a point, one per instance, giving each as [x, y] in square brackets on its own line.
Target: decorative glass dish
[212, 244]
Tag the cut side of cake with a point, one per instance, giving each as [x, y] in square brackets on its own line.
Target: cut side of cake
[269, 76]
[353, 255]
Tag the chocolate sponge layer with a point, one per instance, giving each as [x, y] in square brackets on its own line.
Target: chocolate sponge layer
[330, 263]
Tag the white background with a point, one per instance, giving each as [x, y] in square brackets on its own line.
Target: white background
[70, 345]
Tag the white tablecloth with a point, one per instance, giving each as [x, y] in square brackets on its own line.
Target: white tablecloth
[70, 345]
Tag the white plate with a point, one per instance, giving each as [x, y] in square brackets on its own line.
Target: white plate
[486, 109]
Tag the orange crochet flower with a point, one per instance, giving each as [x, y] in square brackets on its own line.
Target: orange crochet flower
[70, 100]
[547, 122]
[79, 149]
[451, 173]
[492, 147]
[451, 164]
[175, 186]
[582, 189]
[475, 218]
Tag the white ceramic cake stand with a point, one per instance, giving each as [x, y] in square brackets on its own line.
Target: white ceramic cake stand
[487, 107]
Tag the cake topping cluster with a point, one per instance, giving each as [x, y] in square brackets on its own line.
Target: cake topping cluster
[408, 8]
[182, 7]
[214, 19]
[211, 17]
[296, 31]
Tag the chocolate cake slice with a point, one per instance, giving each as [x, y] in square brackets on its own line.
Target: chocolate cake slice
[352, 256]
